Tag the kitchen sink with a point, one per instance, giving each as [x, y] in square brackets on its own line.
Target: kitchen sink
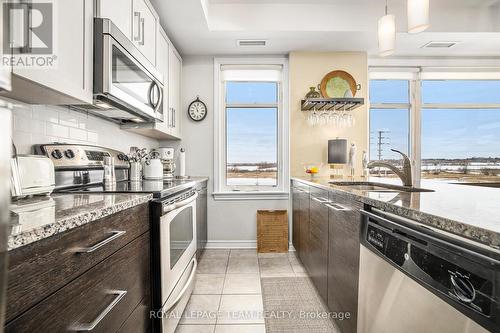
[378, 187]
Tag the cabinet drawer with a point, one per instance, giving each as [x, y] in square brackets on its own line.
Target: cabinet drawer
[39, 269]
[105, 296]
[300, 186]
[319, 193]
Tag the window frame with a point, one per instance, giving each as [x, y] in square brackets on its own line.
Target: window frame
[228, 192]
[415, 76]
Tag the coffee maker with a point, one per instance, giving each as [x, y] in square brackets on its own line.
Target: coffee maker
[167, 159]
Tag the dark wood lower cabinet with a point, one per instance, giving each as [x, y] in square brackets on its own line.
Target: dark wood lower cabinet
[304, 251]
[343, 259]
[108, 292]
[318, 245]
[201, 219]
[296, 218]
[41, 268]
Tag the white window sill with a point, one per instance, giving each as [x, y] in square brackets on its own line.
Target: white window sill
[254, 195]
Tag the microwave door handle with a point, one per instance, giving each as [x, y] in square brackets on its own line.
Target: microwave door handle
[142, 32]
[156, 105]
[137, 37]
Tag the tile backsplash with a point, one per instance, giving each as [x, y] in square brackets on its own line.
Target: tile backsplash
[37, 124]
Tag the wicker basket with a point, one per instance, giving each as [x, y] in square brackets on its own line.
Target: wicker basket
[272, 231]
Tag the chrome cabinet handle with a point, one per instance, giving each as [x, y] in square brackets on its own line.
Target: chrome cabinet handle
[173, 118]
[320, 200]
[115, 235]
[142, 31]
[90, 326]
[138, 36]
[337, 207]
[186, 286]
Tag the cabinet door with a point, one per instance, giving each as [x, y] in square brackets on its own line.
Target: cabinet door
[162, 55]
[175, 67]
[304, 228]
[119, 12]
[343, 260]
[201, 220]
[73, 48]
[144, 29]
[318, 244]
[296, 218]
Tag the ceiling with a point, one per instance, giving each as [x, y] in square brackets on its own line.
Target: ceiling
[212, 27]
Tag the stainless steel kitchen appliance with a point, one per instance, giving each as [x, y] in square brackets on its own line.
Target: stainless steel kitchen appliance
[79, 169]
[416, 279]
[174, 257]
[31, 175]
[167, 160]
[127, 87]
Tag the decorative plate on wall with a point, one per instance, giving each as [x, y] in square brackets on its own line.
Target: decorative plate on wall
[338, 84]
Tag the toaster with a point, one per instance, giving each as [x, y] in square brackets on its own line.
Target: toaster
[31, 175]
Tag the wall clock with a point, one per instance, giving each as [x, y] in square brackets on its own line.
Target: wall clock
[197, 110]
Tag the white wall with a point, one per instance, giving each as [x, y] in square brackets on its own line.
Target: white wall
[37, 124]
[230, 223]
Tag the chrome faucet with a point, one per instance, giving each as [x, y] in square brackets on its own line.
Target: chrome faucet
[404, 174]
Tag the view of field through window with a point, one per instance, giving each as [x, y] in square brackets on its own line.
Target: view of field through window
[458, 144]
[252, 133]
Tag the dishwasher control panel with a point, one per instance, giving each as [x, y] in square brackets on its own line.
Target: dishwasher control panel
[463, 279]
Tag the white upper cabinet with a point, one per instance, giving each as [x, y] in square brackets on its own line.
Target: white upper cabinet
[145, 29]
[174, 90]
[70, 78]
[119, 12]
[137, 19]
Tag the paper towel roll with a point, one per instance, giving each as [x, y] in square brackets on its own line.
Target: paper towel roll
[182, 163]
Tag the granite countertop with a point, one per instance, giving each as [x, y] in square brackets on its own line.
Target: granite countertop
[41, 217]
[468, 211]
[44, 216]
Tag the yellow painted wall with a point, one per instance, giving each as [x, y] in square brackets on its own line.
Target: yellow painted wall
[310, 144]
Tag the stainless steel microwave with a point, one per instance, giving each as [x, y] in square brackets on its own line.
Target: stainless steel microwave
[127, 87]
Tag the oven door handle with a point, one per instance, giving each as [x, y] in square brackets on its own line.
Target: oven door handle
[176, 205]
[194, 262]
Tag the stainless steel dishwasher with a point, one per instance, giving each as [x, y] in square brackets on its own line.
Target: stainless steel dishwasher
[417, 279]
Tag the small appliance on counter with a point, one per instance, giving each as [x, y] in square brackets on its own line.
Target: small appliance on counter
[31, 175]
[167, 160]
[153, 167]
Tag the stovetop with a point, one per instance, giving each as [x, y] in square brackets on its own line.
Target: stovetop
[159, 188]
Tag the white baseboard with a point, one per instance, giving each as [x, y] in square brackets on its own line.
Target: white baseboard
[242, 244]
[230, 244]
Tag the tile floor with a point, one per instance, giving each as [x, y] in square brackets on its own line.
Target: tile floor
[227, 297]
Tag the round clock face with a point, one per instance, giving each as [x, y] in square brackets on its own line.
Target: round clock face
[197, 110]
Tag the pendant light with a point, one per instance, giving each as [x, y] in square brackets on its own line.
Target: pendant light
[418, 16]
[386, 33]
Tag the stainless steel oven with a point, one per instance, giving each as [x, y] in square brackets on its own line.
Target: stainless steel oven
[174, 257]
[127, 87]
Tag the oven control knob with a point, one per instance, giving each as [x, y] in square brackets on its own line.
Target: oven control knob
[69, 154]
[56, 154]
[462, 288]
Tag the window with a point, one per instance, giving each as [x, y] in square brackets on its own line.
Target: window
[389, 119]
[250, 134]
[453, 128]
[461, 130]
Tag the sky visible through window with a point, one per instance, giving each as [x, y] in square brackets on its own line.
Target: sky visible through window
[251, 132]
[447, 133]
